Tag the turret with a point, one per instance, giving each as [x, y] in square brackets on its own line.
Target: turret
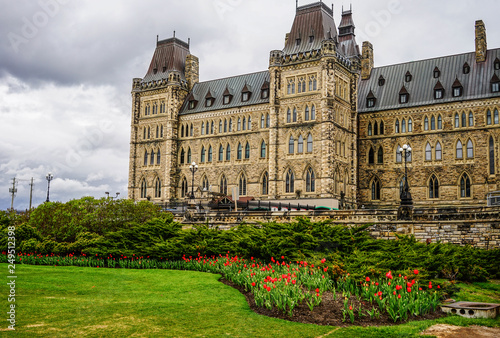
[366, 60]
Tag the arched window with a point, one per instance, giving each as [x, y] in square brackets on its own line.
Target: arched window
[262, 121]
[191, 130]
[313, 112]
[265, 183]
[376, 189]
[495, 116]
[268, 121]
[211, 127]
[243, 185]
[471, 119]
[439, 152]
[410, 125]
[289, 181]
[204, 184]
[189, 156]
[492, 156]
[291, 144]
[398, 154]
[369, 129]
[144, 132]
[310, 180]
[239, 151]
[143, 188]
[203, 128]
[158, 156]
[457, 121]
[230, 125]
[396, 127]
[294, 116]
[238, 125]
[244, 123]
[464, 120]
[459, 152]
[146, 157]
[300, 145]
[209, 154]
[382, 126]
[263, 149]
[228, 152]
[225, 125]
[184, 187]
[465, 186]
[306, 114]
[161, 131]
[433, 123]
[221, 153]
[182, 131]
[310, 143]
[428, 152]
[433, 187]
[440, 122]
[288, 116]
[380, 155]
[371, 156]
[375, 128]
[426, 123]
[157, 188]
[149, 133]
[247, 150]
[202, 159]
[488, 117]
[152, 159]
[470, 149]
[403, 126]
[223, 185]
[220, 126]
[249, 123]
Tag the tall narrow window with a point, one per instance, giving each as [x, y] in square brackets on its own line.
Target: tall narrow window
[268, 121]
[294, 115]
[239, 151]
[204, 184]
[146, 157]
[403, 126]
[310, 143]
[369, 129]
[376, 190]
[209, 154]
[375, 128]
[238, 126]
[464, 120]
[230, 125]
[182, 131]
[457, 121]
[440, 122]
[313, 112]
[221, 153]
[371, 156]
[300, 145]
[243, 185]
[410, 125]
[220, 126]
[203, 128]
[158, 157]
[438, 152]
[471, 119]
[306, 114]
[202, 158]
[380, 156]
[495, 115]
[382, 126]
[262, 121]
[244, 124]
[152, 160]
[144, 188]
[182, 157]
[465, 186]
[249, 123]
[288, 116]
[396, 127]
[223, 185]
[289, 181]
[433, 187]
[265, 183]
[428, 152]
[207, 128]
[225, 125]
[291, 144]
[247, 151]
[310, 180]
[470, 149]
[190, 130]
[184, 187]
[398, 154]
[161, 131]
[426, 123]
[459, 152]
[189, 156]
[228, 153]
[492, 155]
[263, 149]
[488, 117]
[157, 188]
[433, 123]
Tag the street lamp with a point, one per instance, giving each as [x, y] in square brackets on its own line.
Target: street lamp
[193, 167]
[405, 194]
[49, 178]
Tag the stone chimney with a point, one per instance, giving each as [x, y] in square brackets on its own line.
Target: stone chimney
[192, 70]
[480, 41]
[366, 60]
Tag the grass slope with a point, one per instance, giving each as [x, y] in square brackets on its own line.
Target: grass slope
[74, 301]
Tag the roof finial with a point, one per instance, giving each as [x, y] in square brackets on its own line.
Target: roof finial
[350, 6]
[296, 4]
[189, 42]
[156, 38]
[174, 34]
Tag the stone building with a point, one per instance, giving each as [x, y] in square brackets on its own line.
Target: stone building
[320, 124]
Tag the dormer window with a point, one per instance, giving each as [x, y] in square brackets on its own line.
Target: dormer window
[408, 76]
[404, 96]
[496, 64]
[192, 104]
[381, 81]
[264, 90]
[495, 84]
[226, 99]
[457, 88]
[209, 102]
[370, 100]
[438, 91]
[436, 73]
[466, 68]
[227, 96]
[311, 38]
[246, 93]
[297, 41]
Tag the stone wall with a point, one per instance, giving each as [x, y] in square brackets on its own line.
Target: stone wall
[477, 226]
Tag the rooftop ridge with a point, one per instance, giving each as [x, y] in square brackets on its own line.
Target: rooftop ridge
[312, 6]
[172, 40]
[232, 77]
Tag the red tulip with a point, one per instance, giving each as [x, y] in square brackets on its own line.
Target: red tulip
[317, 290]
[350, 307]
[408, 289]
[389, 275]
[415, 272]
[323, 260]
[439, 287]
[399, 296]
[367, 279]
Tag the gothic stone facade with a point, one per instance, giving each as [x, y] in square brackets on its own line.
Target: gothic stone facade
[317, 124]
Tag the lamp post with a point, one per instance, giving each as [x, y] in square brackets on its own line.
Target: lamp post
[405, 194]
[193, 167]
[49, 178]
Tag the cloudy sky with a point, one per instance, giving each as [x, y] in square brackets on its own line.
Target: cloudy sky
[66, 69]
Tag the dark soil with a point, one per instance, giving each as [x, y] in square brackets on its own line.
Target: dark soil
[329, 312]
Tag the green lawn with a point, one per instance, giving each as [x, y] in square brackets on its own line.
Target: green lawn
[74, 301]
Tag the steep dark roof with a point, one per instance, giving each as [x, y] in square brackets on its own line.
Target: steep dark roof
[314, 20]
[234, 86]
[170, 55]
[476, 84]
[347, 39]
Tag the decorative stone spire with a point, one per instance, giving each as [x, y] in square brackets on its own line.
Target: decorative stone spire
[480, 41]
[366, 60]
